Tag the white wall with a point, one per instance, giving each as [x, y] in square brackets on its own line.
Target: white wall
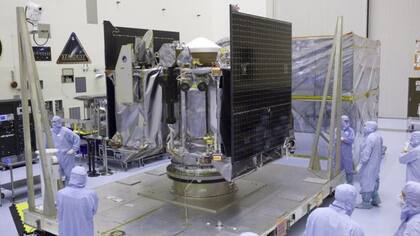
[220, 9]
[66, 16]
[180, 15]
[396, 24]
[319, 17]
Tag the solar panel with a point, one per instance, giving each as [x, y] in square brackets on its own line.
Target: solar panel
[260, 87]
[115, 37]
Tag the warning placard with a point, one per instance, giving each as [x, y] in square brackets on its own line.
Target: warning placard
[73, 52]
[417, 56]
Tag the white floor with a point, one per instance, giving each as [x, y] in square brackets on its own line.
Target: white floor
[377, 221]
[7, 227]
[385, 219]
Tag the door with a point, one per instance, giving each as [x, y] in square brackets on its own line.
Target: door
[413, 97]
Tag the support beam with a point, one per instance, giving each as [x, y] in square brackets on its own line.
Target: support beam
[334, 147]
[315, 163]
[26, 122]
[38, 108]
[335, 123]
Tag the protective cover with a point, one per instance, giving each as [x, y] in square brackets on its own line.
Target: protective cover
[167, 55]
[360, 91]
[140, 123]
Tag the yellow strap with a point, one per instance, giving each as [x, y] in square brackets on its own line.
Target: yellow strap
[347, 98]
[84, 132]
[319, 98]
[307, 156]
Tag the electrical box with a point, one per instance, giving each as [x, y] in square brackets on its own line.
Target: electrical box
[80, 84]
[50, 109]
[44, 31]
[59, 109]
[11, 129]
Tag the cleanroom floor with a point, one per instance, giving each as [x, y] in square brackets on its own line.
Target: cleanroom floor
[385, 219]
[377, 221]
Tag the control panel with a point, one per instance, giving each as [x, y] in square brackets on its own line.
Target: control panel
[11, 129]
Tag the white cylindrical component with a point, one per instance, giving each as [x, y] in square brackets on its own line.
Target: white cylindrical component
[183, 119]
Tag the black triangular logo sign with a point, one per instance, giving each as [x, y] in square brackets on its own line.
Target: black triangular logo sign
[73, 52]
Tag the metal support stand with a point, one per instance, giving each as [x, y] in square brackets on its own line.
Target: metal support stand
[335, 122]
[91, 157]
[12, 183]
[105, 171]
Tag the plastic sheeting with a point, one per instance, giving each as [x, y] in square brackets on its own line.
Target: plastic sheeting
[196, 114]
[140, 123]
[360, 85]
[167, 57]
[199, 121]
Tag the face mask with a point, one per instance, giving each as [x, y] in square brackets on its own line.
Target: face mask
[345, 124]
[56, 126]
[414, 142]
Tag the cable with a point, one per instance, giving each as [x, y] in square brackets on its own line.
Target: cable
[27, 19]
[30, 22]
[185, 198]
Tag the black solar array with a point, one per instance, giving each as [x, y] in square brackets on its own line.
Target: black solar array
[260, 86]
[115, 37]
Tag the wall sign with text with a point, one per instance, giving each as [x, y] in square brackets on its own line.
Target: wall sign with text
[42, 53]
[73, 52]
